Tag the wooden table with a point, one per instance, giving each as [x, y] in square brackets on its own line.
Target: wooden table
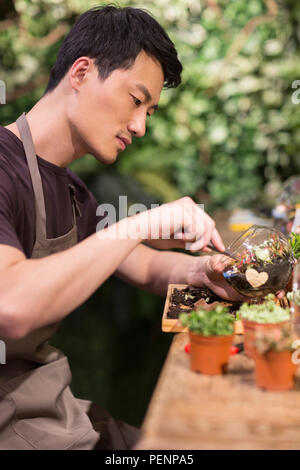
[194, 411]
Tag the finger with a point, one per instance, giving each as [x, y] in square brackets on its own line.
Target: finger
[225, 291]
[206, 249]
[208, 230]
[179, 235]
[185, 236]
[280, 294]
[217, 240]
[195, 246]
[217, 264]
[209, 227]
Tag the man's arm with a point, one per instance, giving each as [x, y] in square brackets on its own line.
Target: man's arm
[153, 270]
[38, 292]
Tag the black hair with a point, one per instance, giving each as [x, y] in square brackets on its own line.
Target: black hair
[113, 37]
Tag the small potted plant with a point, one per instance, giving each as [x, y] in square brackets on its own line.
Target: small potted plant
[294, 241]
[261, 316]
[274, 366]
[211, 335]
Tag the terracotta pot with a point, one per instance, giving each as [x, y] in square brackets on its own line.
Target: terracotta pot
[209, 354]
[275, 370]
[249, 333]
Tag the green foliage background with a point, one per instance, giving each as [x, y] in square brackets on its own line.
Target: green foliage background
[226, 132]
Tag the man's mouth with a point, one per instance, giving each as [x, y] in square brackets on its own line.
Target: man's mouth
[123, 142]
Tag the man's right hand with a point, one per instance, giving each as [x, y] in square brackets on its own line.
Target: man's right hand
[183, 223]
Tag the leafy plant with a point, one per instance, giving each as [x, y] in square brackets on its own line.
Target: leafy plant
[217, 322]
[274, 339]
[235, 97]
[266, 312]
[294, 241]
[294, 297]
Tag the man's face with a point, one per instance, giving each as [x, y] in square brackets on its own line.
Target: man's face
[106, 115]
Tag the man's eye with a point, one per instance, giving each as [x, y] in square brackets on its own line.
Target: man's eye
[136, 101]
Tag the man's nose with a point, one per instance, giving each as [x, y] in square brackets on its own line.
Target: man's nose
[137, 126]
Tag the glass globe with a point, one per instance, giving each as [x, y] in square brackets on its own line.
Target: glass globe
[263, 262]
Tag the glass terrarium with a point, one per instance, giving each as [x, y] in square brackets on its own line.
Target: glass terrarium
[262, 262]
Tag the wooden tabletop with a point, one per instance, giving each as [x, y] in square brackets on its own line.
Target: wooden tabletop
[194, 411]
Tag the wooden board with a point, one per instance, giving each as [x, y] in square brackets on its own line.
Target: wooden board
[172, 325]
[195, 411]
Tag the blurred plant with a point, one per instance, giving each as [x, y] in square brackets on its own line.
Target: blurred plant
[294, 297]
[217, 322]
[294, 241]
[274, 339]
[266, 312]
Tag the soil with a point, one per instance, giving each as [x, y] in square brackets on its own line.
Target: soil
[183, 300]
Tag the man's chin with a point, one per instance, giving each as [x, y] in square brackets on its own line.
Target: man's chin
[106, 159]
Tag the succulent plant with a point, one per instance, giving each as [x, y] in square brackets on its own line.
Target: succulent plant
[275, 339]
[266, 312]
[217, 322]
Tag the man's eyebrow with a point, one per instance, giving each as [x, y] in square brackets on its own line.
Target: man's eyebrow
[146, 93]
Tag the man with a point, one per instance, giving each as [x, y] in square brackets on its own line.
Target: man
[107, 79]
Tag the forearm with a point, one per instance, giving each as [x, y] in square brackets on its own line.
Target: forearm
[37, 292]
[154, 270]
[175, 268]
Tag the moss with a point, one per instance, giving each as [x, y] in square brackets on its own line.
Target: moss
[266, 312]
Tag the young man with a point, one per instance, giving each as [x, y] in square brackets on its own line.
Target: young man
[107, 79]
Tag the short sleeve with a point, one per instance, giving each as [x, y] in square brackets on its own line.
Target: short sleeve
[8, 209]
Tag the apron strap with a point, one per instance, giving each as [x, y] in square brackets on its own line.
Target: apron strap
[36, 180]
[75, 206]
[35, 176]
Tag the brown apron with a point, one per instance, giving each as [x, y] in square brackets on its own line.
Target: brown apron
[37, 407]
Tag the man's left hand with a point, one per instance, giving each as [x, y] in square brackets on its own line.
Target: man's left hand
[207, 271]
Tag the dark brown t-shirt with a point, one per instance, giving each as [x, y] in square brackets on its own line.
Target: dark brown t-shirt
[17, 207]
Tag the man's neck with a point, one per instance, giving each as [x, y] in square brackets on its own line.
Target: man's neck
[51, 133]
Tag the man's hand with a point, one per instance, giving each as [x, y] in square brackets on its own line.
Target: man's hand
[180, 224]
[207, 271]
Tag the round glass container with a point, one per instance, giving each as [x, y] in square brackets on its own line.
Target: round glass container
[263, 264]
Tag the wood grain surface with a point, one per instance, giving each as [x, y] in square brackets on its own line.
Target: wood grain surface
[194, 411]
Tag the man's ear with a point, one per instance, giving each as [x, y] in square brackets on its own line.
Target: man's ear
[79, 71]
